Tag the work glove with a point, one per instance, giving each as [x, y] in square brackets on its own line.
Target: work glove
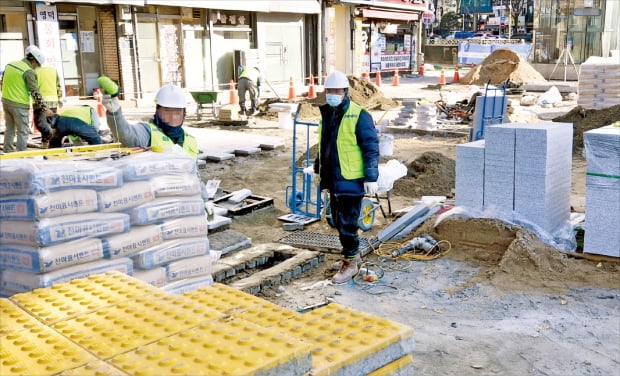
[112, 104]
[371, 188]
[309, 171]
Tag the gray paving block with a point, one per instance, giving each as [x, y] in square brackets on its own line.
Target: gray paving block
[228, 241]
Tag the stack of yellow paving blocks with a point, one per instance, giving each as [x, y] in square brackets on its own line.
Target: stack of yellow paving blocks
[113, 324]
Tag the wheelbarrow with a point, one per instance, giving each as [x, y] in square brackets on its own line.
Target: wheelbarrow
[367, 212]
[204, 99]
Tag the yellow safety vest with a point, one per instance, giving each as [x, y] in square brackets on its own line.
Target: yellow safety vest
[14, 84]
[46, 78]
[349, 152]
[251, 74]
[83, 113]
[159, 140]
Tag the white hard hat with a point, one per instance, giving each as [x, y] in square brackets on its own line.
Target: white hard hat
[336, 80]
[36, 53]
[170, 96]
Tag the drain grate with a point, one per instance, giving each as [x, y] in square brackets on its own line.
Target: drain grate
[316, 240]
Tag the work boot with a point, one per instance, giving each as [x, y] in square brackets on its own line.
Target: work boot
[338, 264]
[45, 144]
[348, 270]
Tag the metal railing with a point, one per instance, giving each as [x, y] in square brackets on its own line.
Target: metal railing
[455, 42]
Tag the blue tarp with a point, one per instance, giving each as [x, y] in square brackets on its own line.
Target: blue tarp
[474, 53]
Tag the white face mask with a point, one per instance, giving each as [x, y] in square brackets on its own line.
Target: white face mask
[333, 99]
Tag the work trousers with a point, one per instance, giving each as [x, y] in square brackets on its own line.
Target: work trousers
[42, 123]
[16, 120]
[66, 126]
[346, 213]
[247, 85]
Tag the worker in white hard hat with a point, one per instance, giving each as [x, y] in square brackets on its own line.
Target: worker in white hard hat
[19, 85]
[347, 165]
[163, 132]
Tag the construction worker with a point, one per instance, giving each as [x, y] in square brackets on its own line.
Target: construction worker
[19, 84]
[249, 80]
[347, 165]
[79, 122]
[163, 132]
[49, 87]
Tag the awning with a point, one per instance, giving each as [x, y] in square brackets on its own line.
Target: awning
[266, 6]
[390, 15]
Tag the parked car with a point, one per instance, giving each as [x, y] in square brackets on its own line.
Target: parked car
[527, 37]
[486, 35]
[460, 34]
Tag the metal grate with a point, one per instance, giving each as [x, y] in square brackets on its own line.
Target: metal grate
[316, 240]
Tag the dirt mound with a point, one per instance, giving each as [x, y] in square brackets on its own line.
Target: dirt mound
[431, 174]
[502, 65]
[584, 120]
[363, 93]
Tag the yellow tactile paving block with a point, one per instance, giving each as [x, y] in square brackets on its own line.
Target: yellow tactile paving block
[96, 368]
[231, 301]
[39, 351]
[14, 319]
[124, 326]
[399, 367]
[226, 347]
[67, 300]
[341, 336]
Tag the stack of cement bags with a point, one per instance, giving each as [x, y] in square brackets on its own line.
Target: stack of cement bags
[65, 220]
[599, 83]
[602, 229]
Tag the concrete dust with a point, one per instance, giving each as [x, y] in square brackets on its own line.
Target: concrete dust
[502, 65]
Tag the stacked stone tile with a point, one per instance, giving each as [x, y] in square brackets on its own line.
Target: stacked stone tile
[599, 83]
[65, 220]
[602, 228]
[526, 172]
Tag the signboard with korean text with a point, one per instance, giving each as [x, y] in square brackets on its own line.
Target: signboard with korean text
[48, 34]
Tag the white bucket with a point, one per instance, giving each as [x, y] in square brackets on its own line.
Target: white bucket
[285, 120]
[386, 145]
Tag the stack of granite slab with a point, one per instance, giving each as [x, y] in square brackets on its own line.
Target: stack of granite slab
[602, 228]
[599, 83]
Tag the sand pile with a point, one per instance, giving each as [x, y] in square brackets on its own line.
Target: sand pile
[584, 120]
[363, 93]
[502, 65]
[431, 174]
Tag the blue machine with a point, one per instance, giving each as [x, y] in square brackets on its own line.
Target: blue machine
[490, 109]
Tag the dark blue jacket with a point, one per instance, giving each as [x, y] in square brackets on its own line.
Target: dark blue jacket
[329, 165]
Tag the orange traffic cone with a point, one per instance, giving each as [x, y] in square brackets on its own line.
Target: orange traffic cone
[396, 79]
[378, 77]
[233, 97]
[456, 77]
[421, 70]
[442, 77]
[291, 89]
[311, 92]
[99, 97]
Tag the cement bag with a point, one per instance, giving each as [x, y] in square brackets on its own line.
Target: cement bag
[155, 276]
[54, 176]
[17, 177]
[48, 231]
[125, 197]
[166, 208]
[184, 227]
[189, 284]
[53, 204]
[176, 185]
[144, 166]
[188, 268]
[45, 259]
[20, 281]
[134, 241]
[550, 96]
[171, 250]
[389, 173]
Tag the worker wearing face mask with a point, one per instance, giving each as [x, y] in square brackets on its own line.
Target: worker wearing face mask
[347, 166]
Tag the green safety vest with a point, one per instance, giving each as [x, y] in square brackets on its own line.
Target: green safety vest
[83, 113]
[46, 78]
[14, 84]
[159, 140]
[349, 152]
[251, 74]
